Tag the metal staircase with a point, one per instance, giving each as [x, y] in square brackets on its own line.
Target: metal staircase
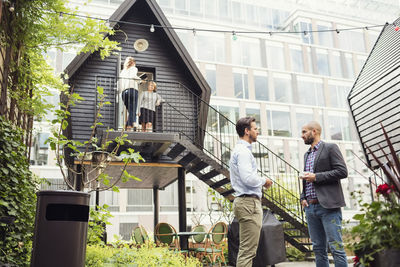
[206, 153]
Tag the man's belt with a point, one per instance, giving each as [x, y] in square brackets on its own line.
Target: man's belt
[312, 201]
[250, 195]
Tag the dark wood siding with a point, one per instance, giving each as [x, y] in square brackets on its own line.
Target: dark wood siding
[175, 84]
[375, 96]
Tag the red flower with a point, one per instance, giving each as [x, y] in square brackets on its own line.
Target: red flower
[383, 189]
[356, 260]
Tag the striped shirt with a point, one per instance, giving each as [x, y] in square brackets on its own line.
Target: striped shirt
[309, 167]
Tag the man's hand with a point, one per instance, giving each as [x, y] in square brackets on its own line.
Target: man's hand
[304, 203]
[308, 176]
[268, 183]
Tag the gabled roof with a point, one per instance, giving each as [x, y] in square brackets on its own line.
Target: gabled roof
[375, 95]
[122, 10]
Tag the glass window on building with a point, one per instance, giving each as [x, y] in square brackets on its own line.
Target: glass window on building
[40, 151]
[140, 200]
[224, 10]
[237, 11]
[169, 198]
[111, 198]
[305, 26]
[360, 62]
[337, 65]
[275, 55]
[279, 123]
[351, 40]
[339, 126]
[283, 88]
[310, 91]
[303, 116]
[210, 9]
[261, 87]
[372, 38]
[310, 60]
[254, 112]
[211, 78]
[185, 38]
[240, 85]
[246, 51]
[266, 21]
[350, 161]
[210, 47]
[323, 62]
[324, 35]
[195, 8]
[180, 7]
[338, 95]
[230, 113]
[251, 14]
[349, 65]
[296, 57]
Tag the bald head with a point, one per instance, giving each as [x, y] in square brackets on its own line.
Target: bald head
[313, 125]
[311, 133]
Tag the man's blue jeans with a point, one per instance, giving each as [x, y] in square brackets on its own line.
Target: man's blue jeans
[325, 228]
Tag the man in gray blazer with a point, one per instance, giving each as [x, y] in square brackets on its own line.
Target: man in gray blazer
[322, 196]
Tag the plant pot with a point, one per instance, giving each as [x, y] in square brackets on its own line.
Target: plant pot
[387, 258]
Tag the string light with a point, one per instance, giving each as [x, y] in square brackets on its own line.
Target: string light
[234, 36]
[61, 15]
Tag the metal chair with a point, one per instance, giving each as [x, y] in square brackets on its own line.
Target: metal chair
[214, 244]
[198, 241]
[165, 233]
[140, 235]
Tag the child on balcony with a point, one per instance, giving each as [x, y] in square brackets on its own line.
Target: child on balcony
[148, 101]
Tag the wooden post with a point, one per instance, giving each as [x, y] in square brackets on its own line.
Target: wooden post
[156, 205]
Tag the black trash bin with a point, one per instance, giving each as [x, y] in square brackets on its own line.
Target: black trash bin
[60, 229]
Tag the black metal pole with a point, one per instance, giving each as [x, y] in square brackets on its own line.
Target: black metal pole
[182, 205]
[156, 204]
[78, 178]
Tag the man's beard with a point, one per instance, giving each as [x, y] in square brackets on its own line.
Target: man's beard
[309, 140]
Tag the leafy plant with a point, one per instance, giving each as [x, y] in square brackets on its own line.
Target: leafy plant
[97, 223]
[148, 255]
[379, 224]
[17, 196]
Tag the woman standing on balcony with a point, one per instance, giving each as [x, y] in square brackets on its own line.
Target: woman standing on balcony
[148, 101]
[129, 84]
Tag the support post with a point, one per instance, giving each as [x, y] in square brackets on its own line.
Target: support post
[156, 205]
[182, 205]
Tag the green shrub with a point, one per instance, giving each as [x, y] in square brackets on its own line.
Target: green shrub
[97, 224]
[145, 256]
[17, 196]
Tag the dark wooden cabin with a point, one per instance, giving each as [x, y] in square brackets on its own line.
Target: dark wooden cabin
[375, 96]
[178, 145]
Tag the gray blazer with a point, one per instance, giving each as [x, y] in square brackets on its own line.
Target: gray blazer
[329, 169]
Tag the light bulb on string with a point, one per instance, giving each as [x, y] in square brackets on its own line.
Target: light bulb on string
[194, 32]
[234, 37]
[337, 31]
[305, 33]
[152, 28]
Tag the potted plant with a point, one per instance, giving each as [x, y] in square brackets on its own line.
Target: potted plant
[377, 236]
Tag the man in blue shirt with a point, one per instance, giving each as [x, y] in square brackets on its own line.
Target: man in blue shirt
[248, 191]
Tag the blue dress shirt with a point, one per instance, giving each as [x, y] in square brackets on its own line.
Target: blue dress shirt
[243, 171]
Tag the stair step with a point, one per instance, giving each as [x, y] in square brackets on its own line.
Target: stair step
[198, 167]
[220, 183]
[175, 151]
[187, 159]
[209, 175]
[226, 193]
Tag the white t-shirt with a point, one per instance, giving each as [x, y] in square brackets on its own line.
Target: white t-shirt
[129, 79]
